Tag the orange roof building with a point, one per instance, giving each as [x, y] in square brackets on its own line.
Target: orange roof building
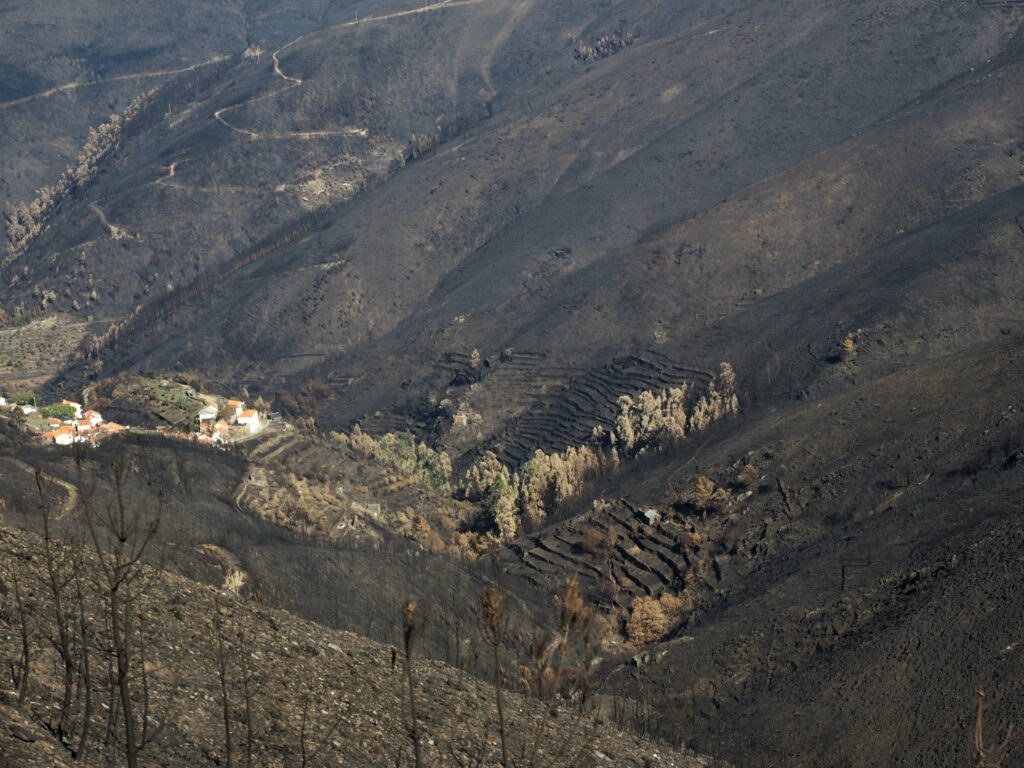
[64, 435]
[250, 420]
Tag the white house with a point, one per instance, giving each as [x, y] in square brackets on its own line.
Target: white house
[76, 406]
[209, 413]
[3, 401]
[235, 408]
[28, 410]
[93, 417]
[250, 419]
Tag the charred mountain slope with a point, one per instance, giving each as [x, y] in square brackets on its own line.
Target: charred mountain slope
[289, 690]
[529, 226]
[206, 536]
[600, 201]
[846, 609]
[65, 71]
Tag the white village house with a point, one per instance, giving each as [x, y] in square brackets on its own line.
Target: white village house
[208, 413]
[250, 419]
[76, 406]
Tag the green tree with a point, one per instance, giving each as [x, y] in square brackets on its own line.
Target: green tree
[62, 412]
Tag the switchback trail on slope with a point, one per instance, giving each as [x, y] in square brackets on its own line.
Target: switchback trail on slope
[295, 81]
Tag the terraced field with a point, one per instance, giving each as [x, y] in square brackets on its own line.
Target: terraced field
[554, 421]
[323, 487]
[518, 402]
[618, 555]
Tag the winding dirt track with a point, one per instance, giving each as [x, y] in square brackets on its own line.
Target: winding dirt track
[282, 75]
[171, 172]
[71, 497]
[295, 82]
[117, 78]
[444, 4]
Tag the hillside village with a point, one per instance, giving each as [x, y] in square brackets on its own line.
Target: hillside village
[209, 419]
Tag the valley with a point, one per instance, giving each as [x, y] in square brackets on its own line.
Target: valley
[499, 383]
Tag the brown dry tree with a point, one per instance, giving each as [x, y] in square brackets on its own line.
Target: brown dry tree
[412, 628]
[63, 562]
[222, 679]
[21, 673]
[492, 621]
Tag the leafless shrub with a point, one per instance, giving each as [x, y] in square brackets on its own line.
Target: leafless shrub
[63, 581]
[122, 530]
[21, 671]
